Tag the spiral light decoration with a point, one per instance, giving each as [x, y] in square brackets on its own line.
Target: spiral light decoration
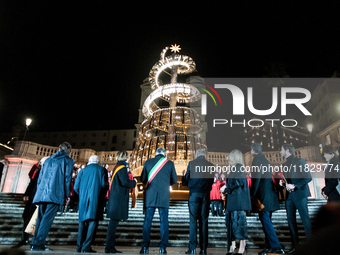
[176, 128]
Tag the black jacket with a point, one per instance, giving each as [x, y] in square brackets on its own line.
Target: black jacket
[262, 186]
[296, 173]
[332, 175]
[158, 192]
[118, 205]
[30, 192]
[192, 180]
[238, 191]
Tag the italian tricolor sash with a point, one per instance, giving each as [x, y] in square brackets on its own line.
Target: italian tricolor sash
[156, 168]
[117, 168]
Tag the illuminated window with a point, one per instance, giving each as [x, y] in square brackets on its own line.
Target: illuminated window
[328, 139]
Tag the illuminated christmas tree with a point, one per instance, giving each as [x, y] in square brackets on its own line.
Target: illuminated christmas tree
[175, 128]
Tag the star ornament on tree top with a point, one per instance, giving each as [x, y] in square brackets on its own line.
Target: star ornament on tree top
[175, 48]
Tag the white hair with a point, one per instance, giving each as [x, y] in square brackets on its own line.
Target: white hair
[160, 150]
[42, 161]
[200, 152]
[93, 159]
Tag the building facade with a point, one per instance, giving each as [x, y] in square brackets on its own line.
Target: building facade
[271, 137]
[98, 140]
[325, 108]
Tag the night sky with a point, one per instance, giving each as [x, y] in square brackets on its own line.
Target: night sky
[78, 67]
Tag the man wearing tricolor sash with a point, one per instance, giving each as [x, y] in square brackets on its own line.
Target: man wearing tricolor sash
[158, 175]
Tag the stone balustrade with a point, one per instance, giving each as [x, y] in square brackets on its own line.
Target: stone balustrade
[26, 153]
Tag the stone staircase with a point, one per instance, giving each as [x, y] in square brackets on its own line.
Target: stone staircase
[129, 233]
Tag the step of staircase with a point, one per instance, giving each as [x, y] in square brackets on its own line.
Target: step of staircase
[130, 233]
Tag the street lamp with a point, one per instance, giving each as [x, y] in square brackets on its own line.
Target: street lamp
[310, 127]
[28, 122]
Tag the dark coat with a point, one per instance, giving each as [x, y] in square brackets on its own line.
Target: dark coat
[195, 184]
[294, 172]
[30, 192]
[262, 186]
[118, 205]
[332, 174]
[158, 192]
[2, 166]
[55, 179]
[89, 184]
[237, 189]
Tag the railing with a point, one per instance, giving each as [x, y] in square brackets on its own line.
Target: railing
[308, 153]
[108, 157]
[37, 151]
[47, 151]
[274, 157]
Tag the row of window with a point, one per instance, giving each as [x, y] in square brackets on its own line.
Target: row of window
[328, 137]
[271, 136]
[322, 111]
[73, 135]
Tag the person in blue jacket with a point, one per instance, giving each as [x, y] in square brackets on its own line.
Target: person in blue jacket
[52, 191]
[89, 185]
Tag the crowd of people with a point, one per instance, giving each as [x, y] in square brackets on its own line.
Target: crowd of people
[55, 180]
